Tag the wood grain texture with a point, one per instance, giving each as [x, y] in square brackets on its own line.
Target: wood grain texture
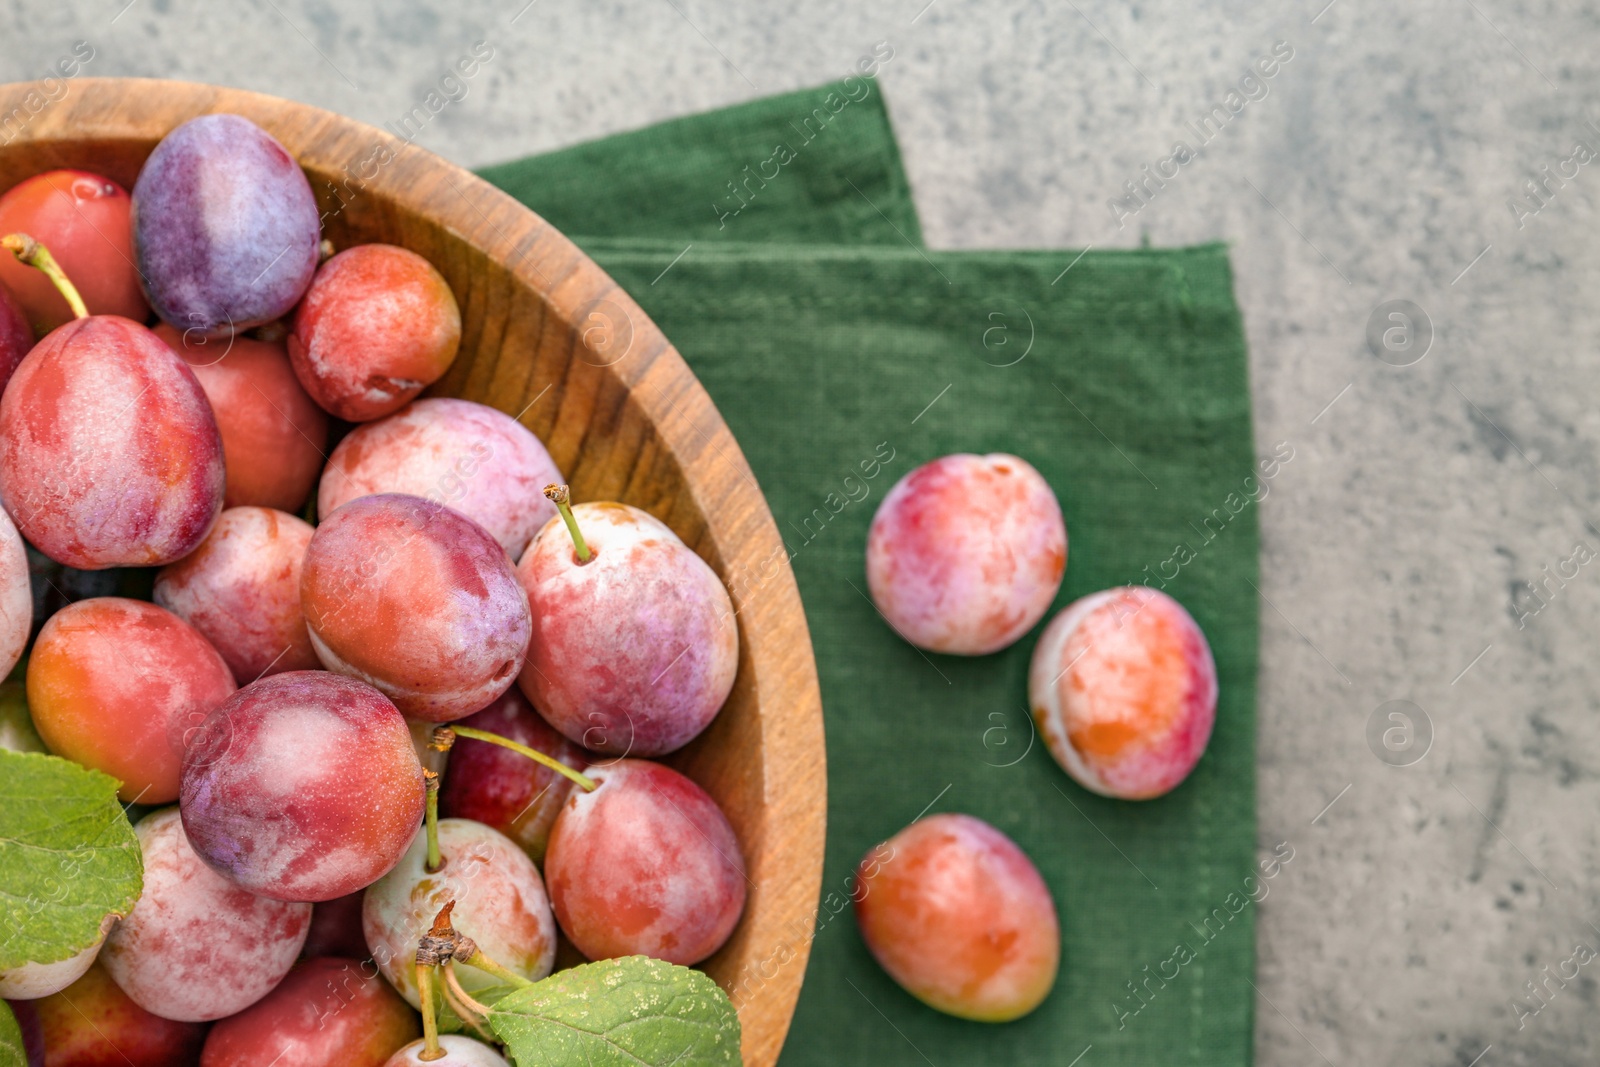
[551, 340]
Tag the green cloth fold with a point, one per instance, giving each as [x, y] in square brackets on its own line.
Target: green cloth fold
[842, 354]
[723, 176]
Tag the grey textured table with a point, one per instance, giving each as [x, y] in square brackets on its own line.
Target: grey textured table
[1430, 540]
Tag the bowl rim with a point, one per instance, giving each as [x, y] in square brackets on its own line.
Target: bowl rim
[785, 874]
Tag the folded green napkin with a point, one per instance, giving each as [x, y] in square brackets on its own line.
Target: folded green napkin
[842, 354]
[721, 177]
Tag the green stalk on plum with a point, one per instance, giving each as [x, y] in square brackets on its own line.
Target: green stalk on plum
[445, 736]
[473, 1013]
[430, 1019]
[36, 255]
[477, 959]
[430, 783]
[437, 953]
[561, 497]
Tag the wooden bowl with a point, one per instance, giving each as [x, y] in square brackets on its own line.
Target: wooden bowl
[550, 339]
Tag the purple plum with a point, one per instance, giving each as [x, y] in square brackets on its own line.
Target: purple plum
[225, 227]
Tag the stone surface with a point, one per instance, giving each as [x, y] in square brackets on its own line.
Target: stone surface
[1422, 499]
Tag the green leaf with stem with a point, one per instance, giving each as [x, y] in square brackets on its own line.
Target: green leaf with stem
[68, 858]
[629, 1012]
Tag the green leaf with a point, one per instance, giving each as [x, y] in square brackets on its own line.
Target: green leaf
[68, 858]
[12, 1054]
[620, 1013]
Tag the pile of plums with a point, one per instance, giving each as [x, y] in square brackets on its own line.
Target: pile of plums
[176, 364]
[964, 557]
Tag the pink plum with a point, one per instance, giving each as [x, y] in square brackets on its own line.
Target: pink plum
[197, 946]
[500, 903]
[241, 589]
[302, 786]
[481, 462]
[959, 916]
[378, 325]
[273, 435]
[93, 1023]
[121, 686]
[966, 553]
[1124, 691]
[328, 1012]
[417, 600]
[634, 651]
[85, 221]
[109, 453]
[646, 864]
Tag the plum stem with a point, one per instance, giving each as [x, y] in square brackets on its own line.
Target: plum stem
[431, 1049]
[430, 782]
[444, 943]
[36, 255]
[505, 974]
[444, 737]
[466, 1016]
[470, 1010]
[561, 497]
[434, 947]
